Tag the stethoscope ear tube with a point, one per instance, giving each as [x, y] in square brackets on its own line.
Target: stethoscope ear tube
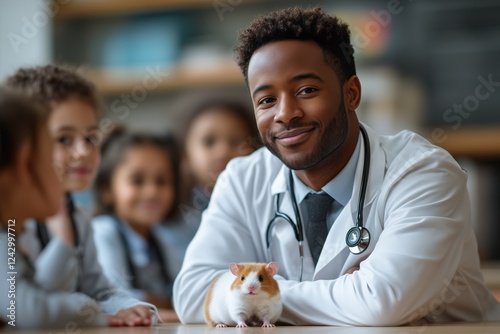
[358, 237]
[364, 177]
[296, 229]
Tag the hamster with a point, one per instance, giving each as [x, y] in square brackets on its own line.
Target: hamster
[246, 294]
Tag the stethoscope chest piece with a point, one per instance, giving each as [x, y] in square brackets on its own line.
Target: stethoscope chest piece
[357, 239]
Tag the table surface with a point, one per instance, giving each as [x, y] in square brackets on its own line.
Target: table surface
[456, 328]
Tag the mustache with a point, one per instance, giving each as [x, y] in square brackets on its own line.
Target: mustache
[290, 126]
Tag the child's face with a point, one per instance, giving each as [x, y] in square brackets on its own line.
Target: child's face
[73, 126]
[214, 138]
[142, 186]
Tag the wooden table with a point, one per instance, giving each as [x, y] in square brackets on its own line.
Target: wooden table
[456, 328]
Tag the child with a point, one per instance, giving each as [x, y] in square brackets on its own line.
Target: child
[29, 188]
[63, 250]
[135, 190]
[215, 130]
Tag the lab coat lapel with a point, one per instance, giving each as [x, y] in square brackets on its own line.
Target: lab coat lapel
[335, 256]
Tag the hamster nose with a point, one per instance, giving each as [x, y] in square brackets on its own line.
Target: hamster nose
[251, 288]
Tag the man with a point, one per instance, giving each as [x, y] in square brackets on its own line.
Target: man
[421, 264]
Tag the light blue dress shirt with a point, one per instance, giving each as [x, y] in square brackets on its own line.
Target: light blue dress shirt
[339, 188]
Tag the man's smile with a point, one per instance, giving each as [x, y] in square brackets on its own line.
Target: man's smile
[294, 136]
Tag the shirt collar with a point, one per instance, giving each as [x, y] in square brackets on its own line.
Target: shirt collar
[137, 244]
[339, 188]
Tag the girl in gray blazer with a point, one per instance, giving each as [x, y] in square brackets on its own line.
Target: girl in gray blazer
[136, 188]
[60, 254]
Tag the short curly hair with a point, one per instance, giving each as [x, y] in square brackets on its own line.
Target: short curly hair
[56, 83]
[296, 23]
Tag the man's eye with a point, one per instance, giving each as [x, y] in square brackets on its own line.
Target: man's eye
[266, 100]
[307, 90]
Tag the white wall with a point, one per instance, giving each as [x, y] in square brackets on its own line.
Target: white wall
[25, 33]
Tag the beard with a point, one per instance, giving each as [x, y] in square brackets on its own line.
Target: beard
[331, 139]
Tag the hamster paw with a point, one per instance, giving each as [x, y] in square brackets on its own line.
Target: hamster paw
[241, 325]
[267, 325]
[221, 326]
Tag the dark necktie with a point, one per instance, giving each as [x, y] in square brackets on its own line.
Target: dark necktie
[318, 206]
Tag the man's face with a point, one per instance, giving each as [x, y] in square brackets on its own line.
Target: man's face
[298, 102]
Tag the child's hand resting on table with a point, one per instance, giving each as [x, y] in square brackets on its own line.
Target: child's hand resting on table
[139, 315]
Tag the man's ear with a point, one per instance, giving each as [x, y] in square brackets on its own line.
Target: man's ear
[352, 93]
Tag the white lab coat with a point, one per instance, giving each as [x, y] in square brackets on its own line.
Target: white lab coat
[421, 267]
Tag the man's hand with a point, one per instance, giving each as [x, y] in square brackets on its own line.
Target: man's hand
[133, 316]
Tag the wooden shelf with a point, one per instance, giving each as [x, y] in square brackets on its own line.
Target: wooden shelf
[182, 76]
[480, 142]
[91, 8]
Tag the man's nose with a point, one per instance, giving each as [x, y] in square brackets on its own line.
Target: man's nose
[288, 109]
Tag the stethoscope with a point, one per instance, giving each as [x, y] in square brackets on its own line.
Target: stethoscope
[357, 238]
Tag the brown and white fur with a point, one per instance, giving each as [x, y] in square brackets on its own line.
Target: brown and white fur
[246, 294]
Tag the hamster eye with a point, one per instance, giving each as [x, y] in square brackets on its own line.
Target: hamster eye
[242, 278]
[261, 278]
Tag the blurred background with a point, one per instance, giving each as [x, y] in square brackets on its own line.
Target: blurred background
[432, 66]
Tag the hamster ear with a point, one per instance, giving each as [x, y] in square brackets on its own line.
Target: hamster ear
[272, 268]
[234, 268]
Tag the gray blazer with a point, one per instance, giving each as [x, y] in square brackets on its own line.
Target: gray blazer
[113, 255]
[61, 286]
